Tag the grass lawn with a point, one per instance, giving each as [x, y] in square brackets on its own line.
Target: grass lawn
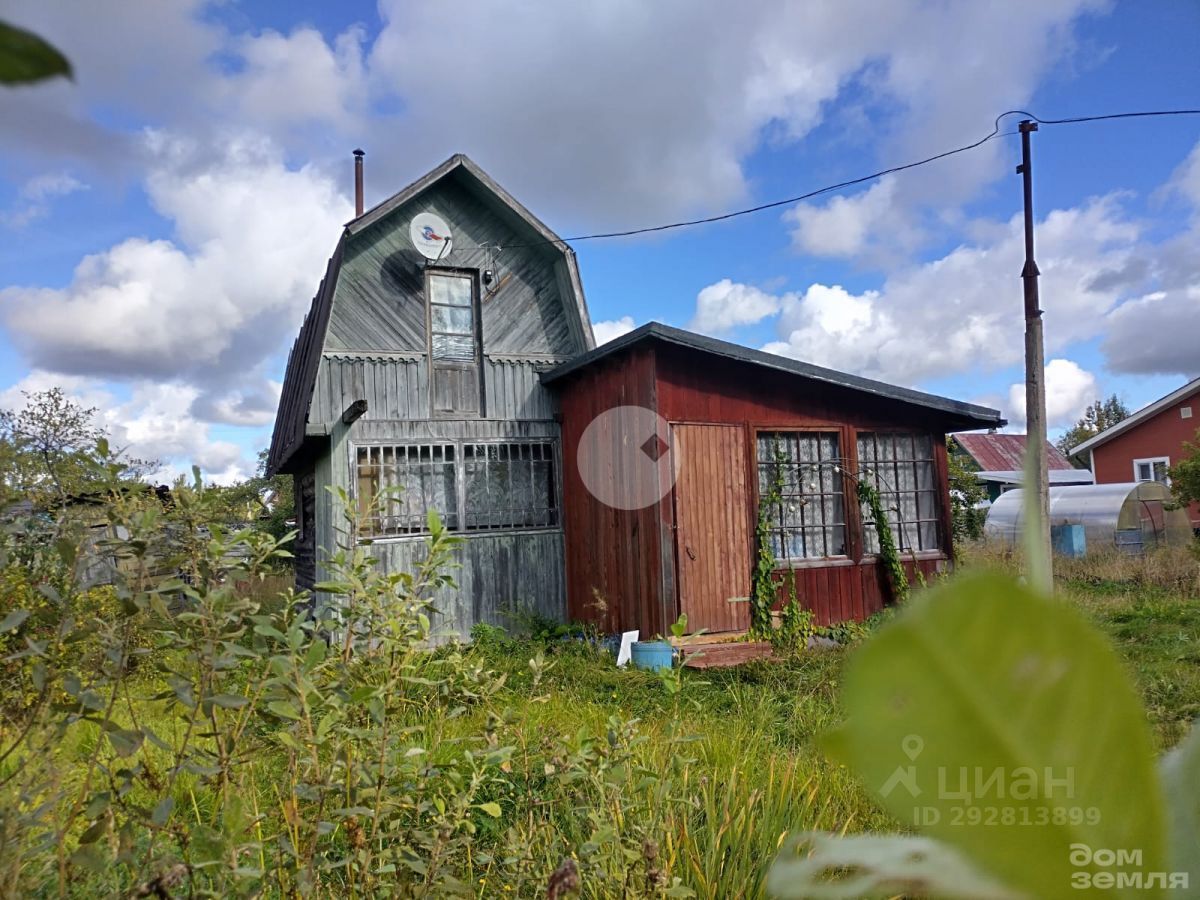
[710, 780]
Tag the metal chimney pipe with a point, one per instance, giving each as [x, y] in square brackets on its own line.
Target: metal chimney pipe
[358, 183]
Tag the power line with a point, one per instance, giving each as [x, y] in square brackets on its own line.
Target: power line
[994, 133]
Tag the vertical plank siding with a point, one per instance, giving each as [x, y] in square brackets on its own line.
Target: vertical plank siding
[634, 559]
[499, 578]
[712, 527]
[614, 557]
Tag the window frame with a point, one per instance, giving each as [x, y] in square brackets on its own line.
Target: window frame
[866, 526]
[1151, 461]
[458, 469]
[475, 364]
[847, 524]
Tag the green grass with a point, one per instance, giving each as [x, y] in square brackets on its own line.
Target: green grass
[740, 749]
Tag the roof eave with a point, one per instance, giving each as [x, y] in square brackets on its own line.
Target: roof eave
[1146, 412]
[962, 415]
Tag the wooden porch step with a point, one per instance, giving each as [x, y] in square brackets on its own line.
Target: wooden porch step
[711, 656]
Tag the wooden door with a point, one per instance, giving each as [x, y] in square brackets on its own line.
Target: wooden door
[712, 526]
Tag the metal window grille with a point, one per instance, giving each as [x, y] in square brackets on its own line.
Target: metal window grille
[509, 486]
[901, 468]
[397, 486]
[809, 521]
[483, 486]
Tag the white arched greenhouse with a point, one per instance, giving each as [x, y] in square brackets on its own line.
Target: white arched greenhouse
[1131, 516]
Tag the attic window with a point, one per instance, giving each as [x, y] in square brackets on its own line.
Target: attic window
[1185, 412]
[452, 316]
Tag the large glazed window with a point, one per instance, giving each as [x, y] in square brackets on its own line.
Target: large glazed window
[473, 486]
[809, 519]
[900, 466]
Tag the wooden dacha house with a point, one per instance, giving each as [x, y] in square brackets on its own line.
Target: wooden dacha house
[448, 360]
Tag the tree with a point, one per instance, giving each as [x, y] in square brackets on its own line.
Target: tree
[52, 449]
[266, 503]
[1185, 474]
[966, 493]
[1101, 415]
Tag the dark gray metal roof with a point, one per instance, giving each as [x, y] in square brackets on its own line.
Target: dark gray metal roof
[974, 416]
[301, 375]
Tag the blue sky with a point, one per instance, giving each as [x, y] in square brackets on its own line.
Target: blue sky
[164, 220]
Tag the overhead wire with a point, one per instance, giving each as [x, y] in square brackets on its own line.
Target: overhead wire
[891, 170]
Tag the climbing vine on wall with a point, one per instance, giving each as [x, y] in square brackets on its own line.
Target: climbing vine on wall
[762, 583]
[764, 588]
[888, 554]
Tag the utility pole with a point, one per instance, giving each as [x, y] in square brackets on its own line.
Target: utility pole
[1037, 514]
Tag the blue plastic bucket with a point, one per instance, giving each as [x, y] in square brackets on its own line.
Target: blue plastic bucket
[654, 655]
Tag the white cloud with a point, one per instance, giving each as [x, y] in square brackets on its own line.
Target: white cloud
[964, 310]
[723, 306]
[843, 226]
[211, 305]
[607, 331]
[1069, 390]
[154, 423]
[613, 114]
[34, 198]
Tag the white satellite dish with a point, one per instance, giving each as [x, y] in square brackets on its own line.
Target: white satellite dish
[430, 235]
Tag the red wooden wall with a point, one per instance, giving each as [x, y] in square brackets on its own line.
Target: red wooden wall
[629, 556]
[613, 555]
[1163, 434]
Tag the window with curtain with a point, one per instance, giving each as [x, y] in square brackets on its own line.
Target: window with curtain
[509, 485]
[451, 317]
[901, 467]
[408, 481]
[473, 486]
[809, 519]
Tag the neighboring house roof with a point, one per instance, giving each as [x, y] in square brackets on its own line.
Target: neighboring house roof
[1057, 476]
[967, 414]
[291, 421]
[1146, 412]
[1005, 452]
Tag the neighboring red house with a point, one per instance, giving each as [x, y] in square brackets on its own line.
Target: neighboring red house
[1142, 447]
[668, 439]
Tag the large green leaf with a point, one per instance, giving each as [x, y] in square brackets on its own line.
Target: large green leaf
[25, 57]
[1180, 771]
[1003, 724]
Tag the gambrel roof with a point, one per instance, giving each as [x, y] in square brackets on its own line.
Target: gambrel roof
[292, 427]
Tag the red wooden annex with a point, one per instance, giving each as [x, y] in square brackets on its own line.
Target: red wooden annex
[673, 531]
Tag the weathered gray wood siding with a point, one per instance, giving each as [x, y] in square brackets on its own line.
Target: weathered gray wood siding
[379, 302]
[499, 576]
[396, 387]
[375, 349]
